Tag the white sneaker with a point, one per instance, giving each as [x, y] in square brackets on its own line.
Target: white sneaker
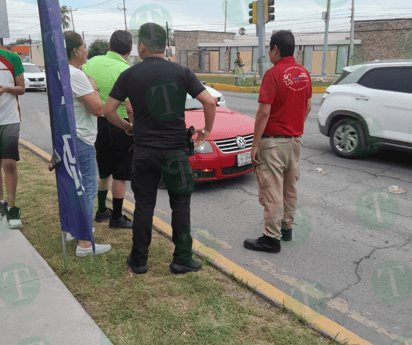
[100, 249]
[70, 238]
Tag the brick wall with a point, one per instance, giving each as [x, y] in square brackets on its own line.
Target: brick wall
[189, 40]
[383, 40]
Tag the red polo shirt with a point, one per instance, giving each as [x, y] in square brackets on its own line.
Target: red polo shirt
[287, 87]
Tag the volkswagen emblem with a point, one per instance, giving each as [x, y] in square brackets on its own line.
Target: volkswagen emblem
[36, 79]
[241, 142]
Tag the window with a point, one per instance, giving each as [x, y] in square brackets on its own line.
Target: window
[396, 79]
[222, 58]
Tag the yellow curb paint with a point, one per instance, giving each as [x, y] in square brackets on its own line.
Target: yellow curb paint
[262, 288]
[37, 150]
[251, 89]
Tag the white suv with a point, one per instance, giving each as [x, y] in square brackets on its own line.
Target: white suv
[368, 106]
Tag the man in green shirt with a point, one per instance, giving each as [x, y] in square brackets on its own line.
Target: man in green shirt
[11, 86]
[113, 146]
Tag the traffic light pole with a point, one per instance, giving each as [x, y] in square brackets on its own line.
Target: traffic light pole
[261, 33]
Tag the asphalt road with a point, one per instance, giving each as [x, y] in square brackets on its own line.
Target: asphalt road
[351, 255]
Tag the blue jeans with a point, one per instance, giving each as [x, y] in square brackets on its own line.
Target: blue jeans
[88, 169]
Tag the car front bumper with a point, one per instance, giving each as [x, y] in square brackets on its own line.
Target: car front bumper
[217, 165]
[323, 129]
[35, 85]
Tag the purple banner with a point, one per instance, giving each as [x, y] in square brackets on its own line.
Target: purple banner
[69, 181]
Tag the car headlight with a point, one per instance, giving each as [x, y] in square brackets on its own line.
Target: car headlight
[324, 97]
[221, 99]
[204, 148]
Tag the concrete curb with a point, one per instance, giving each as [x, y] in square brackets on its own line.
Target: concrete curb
[251, 89]
[263, 289]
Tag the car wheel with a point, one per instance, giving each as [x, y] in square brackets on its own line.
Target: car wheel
[345, 138]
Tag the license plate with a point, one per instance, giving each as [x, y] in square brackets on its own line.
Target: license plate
[244, 159]
[38, 84]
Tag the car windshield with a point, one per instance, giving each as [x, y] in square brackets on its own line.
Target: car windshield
[31, 69]
[343, 76]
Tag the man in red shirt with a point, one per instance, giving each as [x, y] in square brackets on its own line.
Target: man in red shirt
[284, 104]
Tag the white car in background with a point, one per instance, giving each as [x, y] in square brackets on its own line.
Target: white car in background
[34, 78]
[194, 103]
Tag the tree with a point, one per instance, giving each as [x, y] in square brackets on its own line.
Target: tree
[20, 41]
[98, 47]
[242, 31]
[65, 17]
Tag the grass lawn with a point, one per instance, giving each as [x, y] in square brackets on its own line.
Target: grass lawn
[230, 80]
[158, 307]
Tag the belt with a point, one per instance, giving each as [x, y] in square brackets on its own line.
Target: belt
[276, 136]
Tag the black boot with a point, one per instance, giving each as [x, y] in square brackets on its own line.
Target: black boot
[263, 244]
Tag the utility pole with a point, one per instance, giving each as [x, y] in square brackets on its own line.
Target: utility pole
[124, 10]
[71, 13]
[262, 34]
[352, 33]
[168, 49]
[31, 54]
[225, 13]
[325, 44]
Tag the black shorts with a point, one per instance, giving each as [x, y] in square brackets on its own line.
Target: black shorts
[113, 151]
[9, 141]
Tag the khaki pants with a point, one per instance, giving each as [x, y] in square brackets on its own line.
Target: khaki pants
[277, 176]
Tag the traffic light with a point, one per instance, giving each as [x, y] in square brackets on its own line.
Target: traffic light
[269, 10]
[254, 13]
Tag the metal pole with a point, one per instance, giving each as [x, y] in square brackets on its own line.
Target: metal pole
[225, 13]
[124, 9]
[352, 33]
[71, 13]
[31, 54]
[261, 31]
[83, 35]
[1, 41]
[325, 45]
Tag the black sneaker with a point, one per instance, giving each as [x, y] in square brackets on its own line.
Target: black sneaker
[134, 268]
[13, 216]
[122, 223]
[190, 265]
[286, 235]
[263, 244]
[102, 216]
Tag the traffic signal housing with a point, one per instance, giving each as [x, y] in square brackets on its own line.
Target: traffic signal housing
[253, 13]
[269, 10]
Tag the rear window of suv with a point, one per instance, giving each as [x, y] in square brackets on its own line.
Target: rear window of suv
[396, 79]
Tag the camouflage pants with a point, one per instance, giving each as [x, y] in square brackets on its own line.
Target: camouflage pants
[277, 176]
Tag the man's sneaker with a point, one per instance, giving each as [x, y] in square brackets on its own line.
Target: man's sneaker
[134, 268]
[190, 265]
[286, 235]
[263, 244]
[100, 249]
[13, 216]
[122, 223]
[69, 236]
[102, 216]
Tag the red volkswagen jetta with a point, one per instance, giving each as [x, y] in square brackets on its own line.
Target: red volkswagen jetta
[226, 153]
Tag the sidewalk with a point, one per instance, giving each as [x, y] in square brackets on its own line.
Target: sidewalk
[38, 309]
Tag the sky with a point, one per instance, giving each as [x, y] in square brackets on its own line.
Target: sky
[99, 18]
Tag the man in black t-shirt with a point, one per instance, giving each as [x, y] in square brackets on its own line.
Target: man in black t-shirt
[157, 90]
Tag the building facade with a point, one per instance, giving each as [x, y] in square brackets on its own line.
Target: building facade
[383, 40]
[215, 52]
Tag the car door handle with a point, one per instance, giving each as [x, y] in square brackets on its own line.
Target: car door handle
[362, 98]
